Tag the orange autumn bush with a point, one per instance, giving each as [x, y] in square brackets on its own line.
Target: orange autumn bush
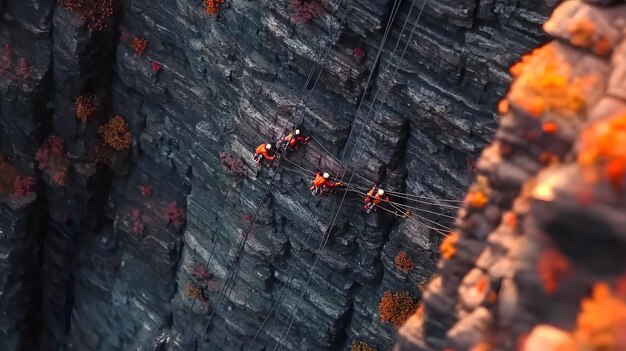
[139, 45]
[96, 13]
[602, 152]
[85, 107]
[448, 246]
[403, 262]
[115, 133]
[545, 83]
[360, 346]
[212, 7]
[396, 307]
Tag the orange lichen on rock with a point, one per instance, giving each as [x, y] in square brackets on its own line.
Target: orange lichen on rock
[139, 45]
[544, 83]
[582, 32]
[403, 262]
[213, 6]
[85, 107]
[448, 246]
[396, 307]
[115, 133]
[550, 128]
[360, 346]
[602, 150]
[601, 323]
[476, 199]
[552, 266]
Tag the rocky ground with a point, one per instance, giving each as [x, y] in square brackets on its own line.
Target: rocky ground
[118, 233]
[537, 263]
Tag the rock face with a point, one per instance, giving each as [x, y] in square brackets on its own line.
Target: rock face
[537, 262]
[111, 245]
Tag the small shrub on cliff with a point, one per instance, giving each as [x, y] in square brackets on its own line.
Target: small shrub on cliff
[23, 186]
[175, 215]
[7, 174]
[396, 307]
[139, 45]
[194, 292]
[448, 246]
[403, 262]
[303, 11]
[360, 346]
[602, 151]
[139, 226]
[231, 164]
[52, 159]
[85, 107]
[96, 13]
[115, 133]
[145, 190]
[212, 7]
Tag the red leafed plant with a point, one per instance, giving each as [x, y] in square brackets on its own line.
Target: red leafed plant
[20, 71]
[175, 215]
[145, 190]
[303, 11]
[22, 186]
[552, 266]
[359, 52]
[96, 13]
[52, 159]
[138, 224]
[156, 66]
[199, 271]
[231, 164]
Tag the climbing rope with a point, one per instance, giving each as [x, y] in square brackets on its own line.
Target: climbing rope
[327, 235]
[232, 273]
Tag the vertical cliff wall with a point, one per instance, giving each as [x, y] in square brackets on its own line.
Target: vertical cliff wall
[537, 262]
[105, 239]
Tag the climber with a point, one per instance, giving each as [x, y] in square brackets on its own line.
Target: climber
[372, 201]
[322, 185]
[292, 141]
[264, 151]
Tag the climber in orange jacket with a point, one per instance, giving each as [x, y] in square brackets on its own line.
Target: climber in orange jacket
[264, 151]
[321, 184]
[293, 140]
[375, 197]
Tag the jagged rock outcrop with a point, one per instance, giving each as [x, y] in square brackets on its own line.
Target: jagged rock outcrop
[109, 251]
[538, 262]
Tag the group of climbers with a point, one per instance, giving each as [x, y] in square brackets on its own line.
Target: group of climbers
[288, 143]
[322, 185]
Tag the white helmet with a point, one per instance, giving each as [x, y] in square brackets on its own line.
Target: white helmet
[268, 146]
[326, 175]
[297, 131]
[381, 192]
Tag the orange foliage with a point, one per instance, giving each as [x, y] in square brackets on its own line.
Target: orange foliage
[482, 285]
[448, 246]
[601, 323]
[510, 219]
[139, 45]
[582, 32]
[85, 107]
[476, 199]
[603, 148]
[360, 346]
[396, 307]
[403, 262]
[544, 83]
[503, 106]
[213, 6]
[550, 128]
[551, 266]
[116, 134]
[95, 13]
[193, 291]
